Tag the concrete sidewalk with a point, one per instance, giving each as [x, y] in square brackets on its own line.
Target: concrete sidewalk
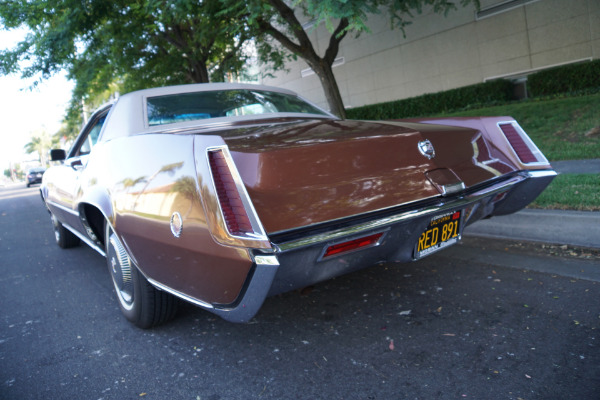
[576, 228]
[577, 166]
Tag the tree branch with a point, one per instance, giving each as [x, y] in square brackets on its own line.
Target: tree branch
[334, 41]
[305, 47]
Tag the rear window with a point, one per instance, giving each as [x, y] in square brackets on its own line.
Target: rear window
[182, 107]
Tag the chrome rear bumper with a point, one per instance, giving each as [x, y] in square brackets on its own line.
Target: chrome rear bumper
[298, 262]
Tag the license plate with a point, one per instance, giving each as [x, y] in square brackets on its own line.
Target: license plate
[443, 230]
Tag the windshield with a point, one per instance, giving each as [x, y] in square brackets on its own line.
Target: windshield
[226, 103]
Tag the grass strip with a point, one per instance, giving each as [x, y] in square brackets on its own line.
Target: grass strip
[571, 192]
[563, 129]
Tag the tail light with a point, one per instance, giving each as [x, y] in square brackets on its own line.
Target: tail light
[236, 218]
[524, 148]
[351, 245]
[239, 225]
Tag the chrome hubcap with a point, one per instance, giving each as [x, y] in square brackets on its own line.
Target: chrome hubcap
[120, 269]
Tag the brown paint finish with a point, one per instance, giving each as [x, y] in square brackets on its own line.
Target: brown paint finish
[314, 172]
[192, 264]
[148, 187]
[499, 147]
[172, 210]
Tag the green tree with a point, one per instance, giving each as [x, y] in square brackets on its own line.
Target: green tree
[128, 44]
[40, 143]
[281, 21]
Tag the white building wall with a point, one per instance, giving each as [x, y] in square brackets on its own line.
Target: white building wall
[440, 53]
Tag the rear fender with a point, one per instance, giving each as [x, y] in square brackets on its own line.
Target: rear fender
[490, 128]
[95, 208]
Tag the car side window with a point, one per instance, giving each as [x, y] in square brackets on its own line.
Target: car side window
[87, 143]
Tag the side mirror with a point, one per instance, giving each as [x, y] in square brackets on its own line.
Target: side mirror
[58, 155]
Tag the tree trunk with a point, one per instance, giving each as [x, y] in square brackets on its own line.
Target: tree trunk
[198, 72]
[332, 92]
[302, 46]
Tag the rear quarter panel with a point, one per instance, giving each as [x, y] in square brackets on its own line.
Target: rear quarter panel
[488, 126]
[149, 178]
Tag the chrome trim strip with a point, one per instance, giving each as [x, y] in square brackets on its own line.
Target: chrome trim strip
[267, 260]
[250, 302]
[70, 211]
[232, 122]
[484, 164]
[182, 296]
[541, 174]
[452, 188]
[85, 239]
[383, 222]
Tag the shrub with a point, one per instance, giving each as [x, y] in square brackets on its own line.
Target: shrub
[566, 79]
[488, 93]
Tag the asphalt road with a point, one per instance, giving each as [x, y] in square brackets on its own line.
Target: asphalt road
[470, 323]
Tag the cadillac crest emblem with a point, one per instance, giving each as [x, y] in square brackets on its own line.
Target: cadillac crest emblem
[426, 148]
[176, 224]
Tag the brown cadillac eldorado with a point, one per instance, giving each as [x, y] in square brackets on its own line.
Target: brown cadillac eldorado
[224, 194]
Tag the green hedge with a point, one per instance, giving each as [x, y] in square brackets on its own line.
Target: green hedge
[568, 79]
[571, 78]
[488, 93]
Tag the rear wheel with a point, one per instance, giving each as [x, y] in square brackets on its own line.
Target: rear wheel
[64, 237]
[140, 302]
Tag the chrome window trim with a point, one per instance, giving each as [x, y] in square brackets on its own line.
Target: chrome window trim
[230, 122]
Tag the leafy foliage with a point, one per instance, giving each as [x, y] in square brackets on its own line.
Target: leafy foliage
[570, 79]
[498, 91]
[122, 45]
[280, 32]
[40, 143]
[357, 11]
[126, 45]
[563, 128]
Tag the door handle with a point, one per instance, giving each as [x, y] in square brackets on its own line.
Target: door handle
[76, 164]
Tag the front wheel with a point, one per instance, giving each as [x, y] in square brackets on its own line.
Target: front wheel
[140, 302]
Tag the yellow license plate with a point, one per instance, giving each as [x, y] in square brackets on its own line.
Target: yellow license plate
[443, 230]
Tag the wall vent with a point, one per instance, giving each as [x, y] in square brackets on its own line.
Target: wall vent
[501, 7]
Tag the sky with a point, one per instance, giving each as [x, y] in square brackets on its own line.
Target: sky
[24, 112]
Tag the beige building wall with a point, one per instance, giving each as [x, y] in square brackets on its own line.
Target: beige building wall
[440, 53]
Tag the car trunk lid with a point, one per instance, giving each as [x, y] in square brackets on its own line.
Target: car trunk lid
[304, 173]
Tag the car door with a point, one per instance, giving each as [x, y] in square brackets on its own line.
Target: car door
[64, 184]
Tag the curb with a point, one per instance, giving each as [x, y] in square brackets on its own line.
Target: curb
[575, 228]
[591, 166]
